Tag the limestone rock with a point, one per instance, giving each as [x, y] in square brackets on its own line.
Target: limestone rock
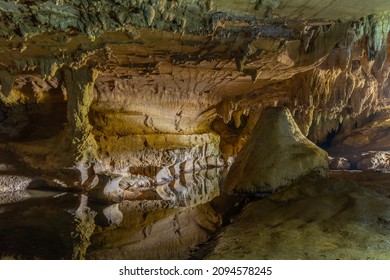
[85, 82]
[339, 163]
[366, 147]
[79, 86]
[12, 183]
[113, 214]
[107, 189]
[378, 182]
[158, 91]
[326, 219]
[276, 154]
[374, 161]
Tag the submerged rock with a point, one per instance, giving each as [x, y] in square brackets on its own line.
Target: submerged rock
[276, 155]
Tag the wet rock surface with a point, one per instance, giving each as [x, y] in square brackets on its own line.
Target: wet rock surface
[312, 219]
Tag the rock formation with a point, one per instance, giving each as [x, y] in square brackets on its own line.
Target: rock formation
[143, 101]
[84, 84]
[276, 154]
[328, 219]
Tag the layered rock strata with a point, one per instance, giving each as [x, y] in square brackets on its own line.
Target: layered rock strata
[126, 99]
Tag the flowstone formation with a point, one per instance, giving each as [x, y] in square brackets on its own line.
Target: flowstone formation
[276, 155]
[149, 100]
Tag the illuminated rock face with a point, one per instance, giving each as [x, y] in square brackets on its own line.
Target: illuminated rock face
[142, 87]
[126, 100]
[276, 154]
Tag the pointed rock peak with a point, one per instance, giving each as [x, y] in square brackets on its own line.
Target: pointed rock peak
[276, 155]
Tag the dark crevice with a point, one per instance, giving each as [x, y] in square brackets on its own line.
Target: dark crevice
[329, 139]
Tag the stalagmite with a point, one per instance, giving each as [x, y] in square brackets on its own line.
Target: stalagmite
[276, 155]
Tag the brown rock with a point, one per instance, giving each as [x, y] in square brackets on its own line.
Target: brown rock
[338, 163]
[375, 161]
[276, 154]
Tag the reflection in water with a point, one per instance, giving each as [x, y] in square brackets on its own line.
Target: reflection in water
[166, 223]
[163, 228]
[188, 190]
[18, 196]
[39, 227]
[113, 214]
[84, 227]
[192, 189]
[112, 189]
[12, 197]
[198, 189]
[160, 233]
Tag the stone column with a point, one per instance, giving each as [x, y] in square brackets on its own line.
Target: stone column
[79, 85]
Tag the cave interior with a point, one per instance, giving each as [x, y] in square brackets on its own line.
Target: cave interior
[183, 129]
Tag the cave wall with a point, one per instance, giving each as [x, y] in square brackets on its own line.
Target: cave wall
[148, 114]
[143, 86]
